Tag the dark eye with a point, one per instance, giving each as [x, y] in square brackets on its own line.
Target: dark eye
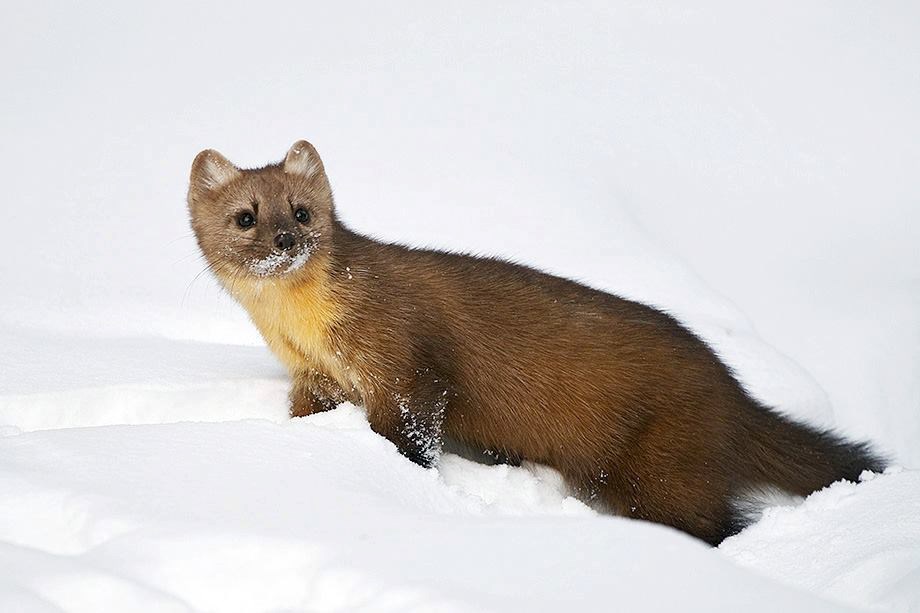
[302, 215]
[246, 219]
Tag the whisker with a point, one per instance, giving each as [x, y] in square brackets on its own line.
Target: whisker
[187, 257]
[188, 288]
[181, 238]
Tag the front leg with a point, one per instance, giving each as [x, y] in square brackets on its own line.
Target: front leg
[411, 416]
[313, 392]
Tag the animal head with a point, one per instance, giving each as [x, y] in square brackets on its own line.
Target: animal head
[272, 223]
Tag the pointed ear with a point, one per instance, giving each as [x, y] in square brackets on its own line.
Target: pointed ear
[211, 170]
[302, 159]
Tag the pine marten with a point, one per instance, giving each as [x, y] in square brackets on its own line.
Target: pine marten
[633, 409]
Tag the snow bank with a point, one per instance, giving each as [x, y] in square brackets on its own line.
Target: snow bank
[858, 544]
[320, 514]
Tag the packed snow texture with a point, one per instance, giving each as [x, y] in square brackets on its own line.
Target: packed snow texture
[749, 167]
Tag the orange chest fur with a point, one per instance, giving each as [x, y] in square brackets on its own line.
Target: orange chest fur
[295, 321]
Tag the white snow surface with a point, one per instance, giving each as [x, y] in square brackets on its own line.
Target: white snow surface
[750, 167]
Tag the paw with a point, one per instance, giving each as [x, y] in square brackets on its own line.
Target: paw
[304, 404]
[423, 457]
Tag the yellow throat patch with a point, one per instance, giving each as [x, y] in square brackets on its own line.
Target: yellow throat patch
[295, 320]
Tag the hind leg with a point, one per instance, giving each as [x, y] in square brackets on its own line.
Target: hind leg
[691, 502]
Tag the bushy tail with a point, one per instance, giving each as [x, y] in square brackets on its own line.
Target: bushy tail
[801, 459]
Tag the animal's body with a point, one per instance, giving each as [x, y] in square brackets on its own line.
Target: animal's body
[632, 408]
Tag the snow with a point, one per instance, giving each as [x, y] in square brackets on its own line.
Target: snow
[265, 266]
[815, 546]
[319, 514]
[751, 168]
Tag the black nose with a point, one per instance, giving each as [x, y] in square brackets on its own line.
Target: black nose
[284, 241]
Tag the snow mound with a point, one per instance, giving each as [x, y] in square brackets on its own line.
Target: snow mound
[855, 543]
[321, 514]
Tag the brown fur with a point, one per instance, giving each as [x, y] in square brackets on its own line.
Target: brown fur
[633, 409]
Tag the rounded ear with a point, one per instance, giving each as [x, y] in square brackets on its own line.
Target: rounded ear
[211, 170]
[302, 159]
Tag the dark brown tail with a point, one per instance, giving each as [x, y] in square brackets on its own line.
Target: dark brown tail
[799, 458]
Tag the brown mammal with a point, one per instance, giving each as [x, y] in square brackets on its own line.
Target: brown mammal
[632, 408]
